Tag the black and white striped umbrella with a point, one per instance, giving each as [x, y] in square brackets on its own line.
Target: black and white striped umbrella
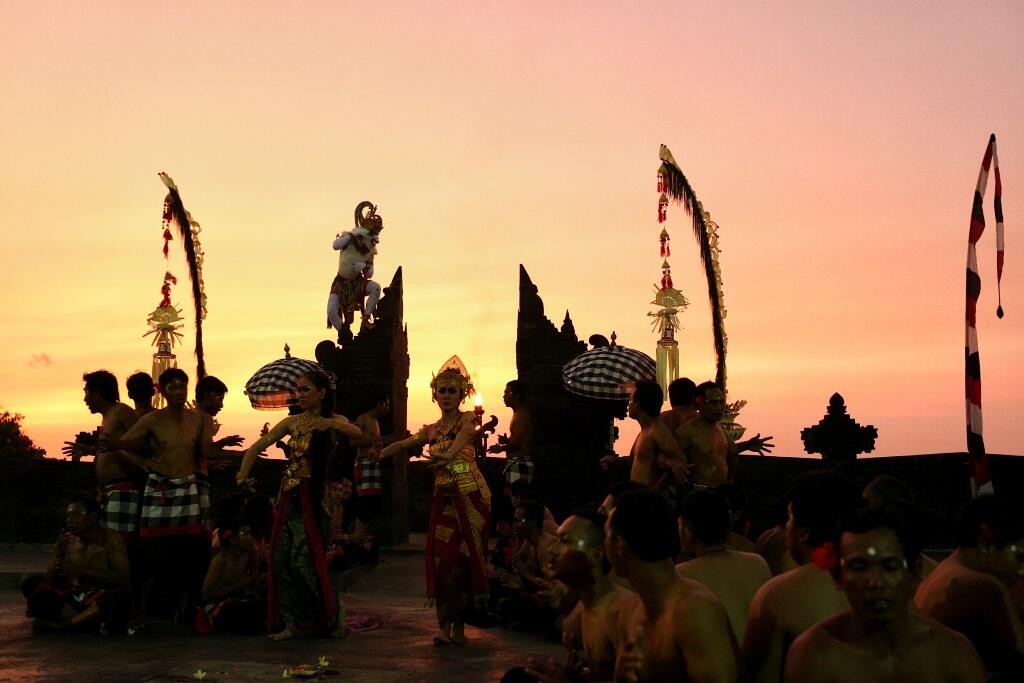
[273, 385]
[607, 372]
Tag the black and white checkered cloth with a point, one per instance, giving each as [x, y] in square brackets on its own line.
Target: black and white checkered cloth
[369, 480]
[120, 502]
[171, 507]
[518, 470]
[273, 385]
[204, 501]
[607, 372]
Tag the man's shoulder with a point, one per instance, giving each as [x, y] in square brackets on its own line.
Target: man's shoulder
[819, 642]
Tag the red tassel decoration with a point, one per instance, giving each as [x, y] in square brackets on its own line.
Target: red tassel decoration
[662, 185]
[167, 250]
[662, 209]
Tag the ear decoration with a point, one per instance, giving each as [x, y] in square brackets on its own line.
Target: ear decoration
[825, 556]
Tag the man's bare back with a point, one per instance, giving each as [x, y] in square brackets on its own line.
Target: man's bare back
[601, 630]
[652, 447]
[689, 640]
[782, 609]
[674, 418]
[927, 652]
[974, 603]
[734, 578]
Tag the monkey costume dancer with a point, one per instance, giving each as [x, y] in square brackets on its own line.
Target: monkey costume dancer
[352, 284]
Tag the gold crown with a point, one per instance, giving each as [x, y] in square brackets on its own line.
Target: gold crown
[453, 371]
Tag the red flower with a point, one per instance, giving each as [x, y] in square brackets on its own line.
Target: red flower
[825, 556]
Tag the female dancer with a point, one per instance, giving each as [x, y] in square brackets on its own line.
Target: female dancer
[460, 510]
[299, 589]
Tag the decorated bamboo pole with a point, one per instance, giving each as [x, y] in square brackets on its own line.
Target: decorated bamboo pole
[669, 300]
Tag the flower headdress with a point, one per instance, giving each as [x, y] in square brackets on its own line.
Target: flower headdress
[453, 371]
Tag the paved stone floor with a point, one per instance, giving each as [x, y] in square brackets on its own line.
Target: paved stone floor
[401, 650]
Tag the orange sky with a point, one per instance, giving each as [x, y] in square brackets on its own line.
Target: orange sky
[837, 145]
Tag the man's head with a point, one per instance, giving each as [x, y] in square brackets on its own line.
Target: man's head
[529, 519]
[616, 491]
[82, 513]
[646, 400]
[710, 401]
[705, 521]
[100, 390]
[682, 393]
[580, 549]
[989, 525]
[376, 399]
[886, 489]
[641, 528]
[518, 491]
[878, 561]
[514, 394]
[816, 502]
[174, 387]
[140, 387]
[236, 534]
[210, 394]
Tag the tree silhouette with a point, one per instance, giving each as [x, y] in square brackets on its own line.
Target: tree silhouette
[14, 442]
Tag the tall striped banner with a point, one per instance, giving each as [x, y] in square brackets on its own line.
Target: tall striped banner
[975, 441]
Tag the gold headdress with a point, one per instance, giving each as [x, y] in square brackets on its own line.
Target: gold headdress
[454, 371]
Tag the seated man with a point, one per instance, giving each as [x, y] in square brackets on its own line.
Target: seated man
[234, 591]
[734, 577]
[968, 590]
[521, 490]
[879, 638]
[350, 544]
[677, 630]
[531, 572]
[86, 581]
[792, 602]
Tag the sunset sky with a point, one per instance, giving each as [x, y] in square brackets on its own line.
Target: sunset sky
[837, 144]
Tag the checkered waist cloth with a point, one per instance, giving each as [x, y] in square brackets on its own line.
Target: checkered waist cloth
[120, 503]
[171, 507]
[519, 470]
[369, 480]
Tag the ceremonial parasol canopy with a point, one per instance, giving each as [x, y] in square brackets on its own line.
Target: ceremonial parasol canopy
[273, 385]
[608, 372]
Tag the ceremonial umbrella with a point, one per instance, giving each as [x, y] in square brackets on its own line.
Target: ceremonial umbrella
[607, 372]
[274, 385]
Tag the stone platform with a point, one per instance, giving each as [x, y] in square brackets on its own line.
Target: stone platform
[401, 650]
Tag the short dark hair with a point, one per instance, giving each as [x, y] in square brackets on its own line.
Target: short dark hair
[171, 374]
[595, 533]
[210, 385]
[818, 500]
[887, 489]
[865, 519]
[649, 397]
[682, 392]
[103, 383]
[621, 488]
[372, 396]
[533, 513]
[520, 488]
[517, 388]
[140, 386]
[708, 516]
[86, 500]
[990, 517]
[702, 389]
[647, 523]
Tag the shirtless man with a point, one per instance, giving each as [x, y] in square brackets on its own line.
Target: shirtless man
[582, 566]
[516, 447]
[879, 638]
[792, 602]
[141, 392]
[682, 396]
[968, 590]
[710, 451]
[677, 630]
[86, 580]
[368, 481]
[210, 393]
[115, 477]
[734, 577]
[234, 590]
[175, 544]
[657, 458]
